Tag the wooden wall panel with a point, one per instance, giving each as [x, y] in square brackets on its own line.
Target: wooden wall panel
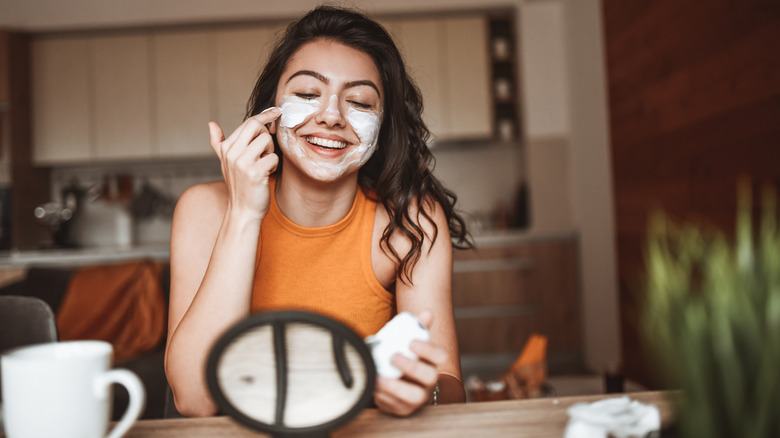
[4, 71]
[29, 185]
[694, 96]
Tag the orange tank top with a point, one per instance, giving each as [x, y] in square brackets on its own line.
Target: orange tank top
[326, 270]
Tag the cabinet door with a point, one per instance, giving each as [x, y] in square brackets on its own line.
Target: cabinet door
[448, 59]
[468, 98]
[240, 55]
[418, 40]
[61, 100]
[122, 116]
[182, 92]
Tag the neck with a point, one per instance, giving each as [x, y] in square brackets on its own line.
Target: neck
[311, 203]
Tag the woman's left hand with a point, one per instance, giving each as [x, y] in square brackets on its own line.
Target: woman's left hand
[404, 396]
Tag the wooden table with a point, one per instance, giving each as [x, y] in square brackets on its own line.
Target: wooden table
[538, 418]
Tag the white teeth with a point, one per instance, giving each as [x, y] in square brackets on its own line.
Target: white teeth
[330, 144]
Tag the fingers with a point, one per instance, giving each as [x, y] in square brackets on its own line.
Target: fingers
[216, 138]
[250, 128]
[249, 142]
[255, 125]
[272, 124]
[404, 396]
[399, 397]
[258, 160]
[429, 352]
[425, 369]
[257, 147]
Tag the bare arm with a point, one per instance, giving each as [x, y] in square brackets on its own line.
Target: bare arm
[430, 298]
[213, 252]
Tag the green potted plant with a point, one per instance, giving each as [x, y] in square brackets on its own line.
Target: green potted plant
[712, 321]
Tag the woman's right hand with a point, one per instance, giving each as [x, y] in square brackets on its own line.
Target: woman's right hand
[247, 158]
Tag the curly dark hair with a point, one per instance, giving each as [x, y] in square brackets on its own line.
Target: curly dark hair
[400, 171]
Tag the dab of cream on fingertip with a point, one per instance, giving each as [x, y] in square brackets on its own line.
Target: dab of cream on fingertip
[269, 109]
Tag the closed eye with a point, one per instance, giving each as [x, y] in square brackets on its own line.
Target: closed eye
[360, 105]
[306, 96]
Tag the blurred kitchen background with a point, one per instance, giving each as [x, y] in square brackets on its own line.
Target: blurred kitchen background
[559, 125]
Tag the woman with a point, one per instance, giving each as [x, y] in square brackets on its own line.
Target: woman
[328, 205]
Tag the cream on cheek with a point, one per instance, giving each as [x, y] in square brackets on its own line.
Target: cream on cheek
[366, 126]
[295, 111]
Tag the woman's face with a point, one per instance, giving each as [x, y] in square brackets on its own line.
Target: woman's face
[331, 99]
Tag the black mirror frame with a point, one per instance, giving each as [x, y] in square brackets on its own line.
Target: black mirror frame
[277, 320]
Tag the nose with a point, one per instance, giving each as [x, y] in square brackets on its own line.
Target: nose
[331, 115]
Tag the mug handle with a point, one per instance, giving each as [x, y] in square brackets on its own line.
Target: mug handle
[137, 393]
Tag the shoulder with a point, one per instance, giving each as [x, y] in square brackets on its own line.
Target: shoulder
[431, 218]
[430, 209]
[427, 216]
[199, 212]
[202, 204]
[211, 192]
[207, 195]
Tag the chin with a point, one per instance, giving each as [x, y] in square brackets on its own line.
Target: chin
[324, 173]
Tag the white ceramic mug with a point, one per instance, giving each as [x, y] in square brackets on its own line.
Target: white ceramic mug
[63, 389]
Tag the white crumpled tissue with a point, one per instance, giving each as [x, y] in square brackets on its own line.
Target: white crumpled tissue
[395, 337]
[618, 417]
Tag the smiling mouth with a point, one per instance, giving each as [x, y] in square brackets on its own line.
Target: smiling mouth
[326, 143]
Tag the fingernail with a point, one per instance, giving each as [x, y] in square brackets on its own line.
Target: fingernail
[269, 109]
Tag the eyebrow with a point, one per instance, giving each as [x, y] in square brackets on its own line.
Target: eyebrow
[326, 81]
[316, 75]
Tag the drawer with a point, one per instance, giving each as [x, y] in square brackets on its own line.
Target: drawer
[502, 295]
[492, 282]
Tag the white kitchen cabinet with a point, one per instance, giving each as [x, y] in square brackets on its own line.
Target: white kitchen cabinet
[149, 94]
[183, 101]
[122, 109]
[90, 99]
[61, 100]
[418, 41]
[468, 96]
[447, 59]
[240, 54]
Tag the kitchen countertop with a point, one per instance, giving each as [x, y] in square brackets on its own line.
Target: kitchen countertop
[113, 254]
[82, 256]
[511, 237]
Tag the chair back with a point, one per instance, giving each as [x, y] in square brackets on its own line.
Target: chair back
[25, 321]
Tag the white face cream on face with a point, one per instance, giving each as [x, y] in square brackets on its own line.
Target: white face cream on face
[297, 111]
[366, 126]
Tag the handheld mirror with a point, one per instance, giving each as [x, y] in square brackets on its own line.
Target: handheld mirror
[291, 373]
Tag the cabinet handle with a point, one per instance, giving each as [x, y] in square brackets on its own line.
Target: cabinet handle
[514, 264]
[495, 311]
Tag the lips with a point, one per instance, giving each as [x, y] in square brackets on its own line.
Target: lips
[326, 142]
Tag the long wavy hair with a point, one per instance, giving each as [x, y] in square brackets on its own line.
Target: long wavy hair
[400, 171]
